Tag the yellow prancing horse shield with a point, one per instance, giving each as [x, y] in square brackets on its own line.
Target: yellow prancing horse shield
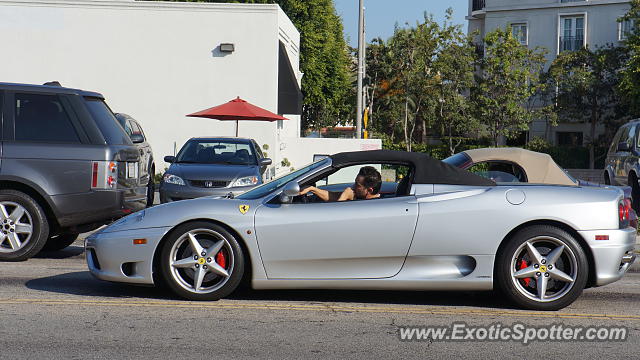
[243, 208]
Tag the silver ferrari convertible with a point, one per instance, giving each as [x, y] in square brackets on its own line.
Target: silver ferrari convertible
[429, 226]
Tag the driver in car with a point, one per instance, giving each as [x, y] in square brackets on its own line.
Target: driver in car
[367, 186]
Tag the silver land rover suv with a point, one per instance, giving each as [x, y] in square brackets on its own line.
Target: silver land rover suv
[66, 167]
[622, 166]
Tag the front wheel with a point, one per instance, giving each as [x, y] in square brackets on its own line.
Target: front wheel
[202, 261]
[542, 268]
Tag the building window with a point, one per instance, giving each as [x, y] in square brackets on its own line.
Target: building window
[569, 138]
[571, 33]
[519, 32]
[625, 28]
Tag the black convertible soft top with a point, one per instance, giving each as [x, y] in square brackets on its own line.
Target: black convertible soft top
[427, 169]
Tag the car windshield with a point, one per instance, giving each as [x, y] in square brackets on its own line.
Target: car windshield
[227, 152]
[277, 183]
[459, 160]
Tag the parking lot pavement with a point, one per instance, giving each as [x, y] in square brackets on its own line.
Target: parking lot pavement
[53, 308]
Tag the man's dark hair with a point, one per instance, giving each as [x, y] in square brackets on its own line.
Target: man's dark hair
[371, 178]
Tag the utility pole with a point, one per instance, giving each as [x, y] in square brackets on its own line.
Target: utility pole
[360, 70]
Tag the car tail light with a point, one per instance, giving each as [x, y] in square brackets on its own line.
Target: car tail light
[624, 212]
[104, 175]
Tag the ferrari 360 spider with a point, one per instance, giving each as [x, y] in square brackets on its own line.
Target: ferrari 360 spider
[438, 228]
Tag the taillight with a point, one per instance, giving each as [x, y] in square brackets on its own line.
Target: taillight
[624, 209]
[104, 175]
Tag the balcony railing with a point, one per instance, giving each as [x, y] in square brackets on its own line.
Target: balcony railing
[477, 5]
[571, 43]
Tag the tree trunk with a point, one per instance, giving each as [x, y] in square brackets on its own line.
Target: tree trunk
[407, 142]
[592, 144]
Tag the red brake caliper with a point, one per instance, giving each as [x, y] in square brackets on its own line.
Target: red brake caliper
[522, 265]
[221, 260]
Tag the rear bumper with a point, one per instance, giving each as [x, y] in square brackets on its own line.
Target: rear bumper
[171, 192]
[98, 206]
[612, 257]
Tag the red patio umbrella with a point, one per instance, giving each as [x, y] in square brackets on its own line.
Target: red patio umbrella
[238, 109]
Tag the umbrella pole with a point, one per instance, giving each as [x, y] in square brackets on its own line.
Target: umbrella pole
[237, 124]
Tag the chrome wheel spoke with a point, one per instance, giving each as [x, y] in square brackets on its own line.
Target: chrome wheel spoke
[525, 273]
[3, 212]
[17, 214]
[198, 278]
[24, 228]
[213, 250]
[218, 270]
[560, 275]
[541, 285]
[195, 244]
[554, 255]
[14, 241]
[533, 253]
[184, 263]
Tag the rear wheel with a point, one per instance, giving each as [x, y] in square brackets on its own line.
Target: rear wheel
[201, 261]
[542, 268]
[635, 192]
[607, 181]
[23, 226]
[59, 242]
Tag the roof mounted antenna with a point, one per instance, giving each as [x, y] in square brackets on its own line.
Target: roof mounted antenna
[52, 83]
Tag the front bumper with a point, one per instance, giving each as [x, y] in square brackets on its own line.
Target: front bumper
[612, 257]
[112, 256]
[172, 192]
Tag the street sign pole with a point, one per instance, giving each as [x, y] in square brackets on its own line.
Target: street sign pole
[360, 70]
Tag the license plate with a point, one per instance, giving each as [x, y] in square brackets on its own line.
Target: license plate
[132, 170]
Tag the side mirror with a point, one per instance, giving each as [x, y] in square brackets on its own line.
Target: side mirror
[289, 191]
[136, 138]
[169, 159]
[624, 146]
[265, 162]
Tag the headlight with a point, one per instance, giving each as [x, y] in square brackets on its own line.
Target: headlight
[245, 181]
[172, 179]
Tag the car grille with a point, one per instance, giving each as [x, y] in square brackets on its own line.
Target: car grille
[209, 183]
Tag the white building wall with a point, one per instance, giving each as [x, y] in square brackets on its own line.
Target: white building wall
[155, 61]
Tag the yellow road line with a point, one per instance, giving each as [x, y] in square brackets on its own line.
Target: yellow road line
[323, 307]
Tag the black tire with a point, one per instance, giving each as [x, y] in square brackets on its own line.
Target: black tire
[607, 181]
[525, 293]
[151, 188]
[34, 215]
[182, 281]
[635, 193]
[59, 242]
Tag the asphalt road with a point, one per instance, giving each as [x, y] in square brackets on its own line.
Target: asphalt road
[51, 307]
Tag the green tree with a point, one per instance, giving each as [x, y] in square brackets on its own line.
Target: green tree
[509, 77]
[324, 58]
[455, 68]
[585, 82]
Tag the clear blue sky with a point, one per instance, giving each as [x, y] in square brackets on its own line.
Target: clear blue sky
[382, 15]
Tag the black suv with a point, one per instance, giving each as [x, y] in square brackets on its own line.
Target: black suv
[66, 167]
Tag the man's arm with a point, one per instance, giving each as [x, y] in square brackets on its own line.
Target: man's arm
[322, 194]
[347, 194]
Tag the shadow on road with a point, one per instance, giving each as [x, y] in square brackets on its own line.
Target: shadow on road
[68, 252]
[83, 284]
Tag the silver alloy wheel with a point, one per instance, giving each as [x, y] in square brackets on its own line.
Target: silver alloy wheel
[553, 273]
[16, 227]
[193, 261]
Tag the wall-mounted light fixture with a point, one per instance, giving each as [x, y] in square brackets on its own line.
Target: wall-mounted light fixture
[227, 47]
